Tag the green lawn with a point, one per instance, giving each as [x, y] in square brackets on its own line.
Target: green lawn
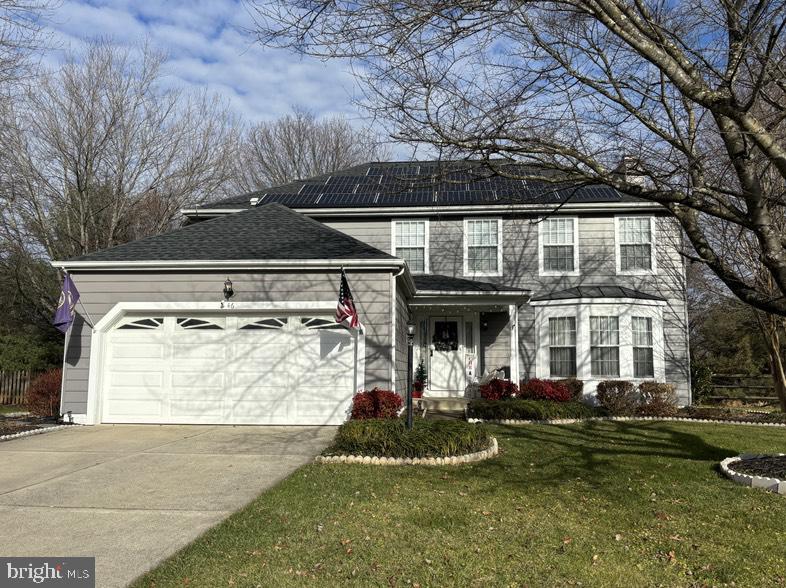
[597, 504]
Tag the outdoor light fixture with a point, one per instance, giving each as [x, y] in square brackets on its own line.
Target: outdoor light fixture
[228, 291]
[410, 339]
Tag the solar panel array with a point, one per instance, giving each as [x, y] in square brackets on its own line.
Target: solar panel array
[425, 184]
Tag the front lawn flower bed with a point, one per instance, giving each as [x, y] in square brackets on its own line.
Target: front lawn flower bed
[757, 471]
[731, 415]
[390, 438]
[529, 410]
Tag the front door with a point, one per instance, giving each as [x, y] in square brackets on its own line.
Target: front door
[446, 348]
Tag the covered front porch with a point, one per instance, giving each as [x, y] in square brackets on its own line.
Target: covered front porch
[464, 329]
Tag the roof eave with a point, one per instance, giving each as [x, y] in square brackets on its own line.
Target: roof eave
[236, 264]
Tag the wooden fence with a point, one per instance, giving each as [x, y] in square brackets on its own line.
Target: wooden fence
[742, 387]
[13, 386]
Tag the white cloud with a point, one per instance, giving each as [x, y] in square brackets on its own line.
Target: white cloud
[207, 50]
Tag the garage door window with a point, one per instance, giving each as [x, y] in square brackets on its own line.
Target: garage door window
[319, 323]
[145, 323]
[269, 323]
[193, 323]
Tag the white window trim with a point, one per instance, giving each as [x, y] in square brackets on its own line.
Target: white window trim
[625, 309]
[500, 241]
[576, 269]
[426, 264]
[653, 248]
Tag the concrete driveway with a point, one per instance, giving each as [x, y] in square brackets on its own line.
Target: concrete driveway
[132, 495]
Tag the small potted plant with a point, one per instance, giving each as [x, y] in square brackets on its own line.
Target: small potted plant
[420, 381]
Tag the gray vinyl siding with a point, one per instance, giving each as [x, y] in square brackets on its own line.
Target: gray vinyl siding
[374, 232]
[402, 316]
[99, 292]
[495, 342]
[597, 265]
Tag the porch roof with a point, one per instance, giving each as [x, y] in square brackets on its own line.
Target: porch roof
[430, 284]
[609, 291]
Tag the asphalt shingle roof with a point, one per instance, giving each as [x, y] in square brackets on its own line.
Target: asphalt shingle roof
[434, 282]
[424, 183]
[271, 231]
[597, 292]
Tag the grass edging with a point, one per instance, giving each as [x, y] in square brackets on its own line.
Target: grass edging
[33, 432]
[770, 484]
[491, 451]
[618, 418]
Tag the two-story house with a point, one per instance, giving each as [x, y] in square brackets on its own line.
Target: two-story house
[535, 279]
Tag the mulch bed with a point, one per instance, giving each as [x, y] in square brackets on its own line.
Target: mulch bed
[725, 414]
[767, 467]
[13, 425]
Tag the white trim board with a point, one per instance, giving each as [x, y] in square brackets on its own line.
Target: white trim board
[485, 209]
[370, 264]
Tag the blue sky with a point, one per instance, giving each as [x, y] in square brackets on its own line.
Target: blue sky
[206, 50]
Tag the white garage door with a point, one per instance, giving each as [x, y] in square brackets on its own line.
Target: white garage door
[228, 370]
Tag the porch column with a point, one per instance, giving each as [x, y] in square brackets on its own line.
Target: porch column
[513, 324]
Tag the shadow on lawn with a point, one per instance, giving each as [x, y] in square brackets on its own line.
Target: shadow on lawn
[596, 452]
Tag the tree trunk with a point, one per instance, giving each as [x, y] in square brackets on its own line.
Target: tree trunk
[770, 328]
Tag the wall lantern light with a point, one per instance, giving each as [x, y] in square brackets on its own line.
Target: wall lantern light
[228, 291]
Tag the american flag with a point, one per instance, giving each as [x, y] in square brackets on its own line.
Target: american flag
[346, 313]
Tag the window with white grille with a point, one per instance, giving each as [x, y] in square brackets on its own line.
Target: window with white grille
[634, 236]
[411, 244]
[558, 242]
[562, 346]
[604, 346]
[482, 247]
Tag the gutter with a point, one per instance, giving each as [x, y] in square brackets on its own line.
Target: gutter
[501, 293]
[446, 210]
[239, 264]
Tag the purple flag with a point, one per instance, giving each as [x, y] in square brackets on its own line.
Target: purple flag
[69, 296]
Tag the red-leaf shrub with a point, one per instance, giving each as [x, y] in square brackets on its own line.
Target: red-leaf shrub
[575, 386]
[42, 397]
[376, 404]
[536, 389]
[498, 389]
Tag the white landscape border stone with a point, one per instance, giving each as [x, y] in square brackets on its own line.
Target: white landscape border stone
[489, 452]
[617, 418]
[770, 484]
[34, 432]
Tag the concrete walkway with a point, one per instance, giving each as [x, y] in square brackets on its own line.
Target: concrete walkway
[132, 495]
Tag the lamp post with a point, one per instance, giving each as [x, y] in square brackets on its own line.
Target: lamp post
[410, 340]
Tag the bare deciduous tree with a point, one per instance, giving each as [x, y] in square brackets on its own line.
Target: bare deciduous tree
[691, 92]
[20, 35]
[298, 146]
[97, 153]
[96, 144]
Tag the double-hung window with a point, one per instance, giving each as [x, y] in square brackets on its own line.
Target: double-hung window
[605, 346]
[559, 253]
[562, 346]
[411, 244]
[483, 247]
[635, 246]
[643, 364]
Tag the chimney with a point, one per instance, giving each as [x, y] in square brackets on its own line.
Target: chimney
[631, 170]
